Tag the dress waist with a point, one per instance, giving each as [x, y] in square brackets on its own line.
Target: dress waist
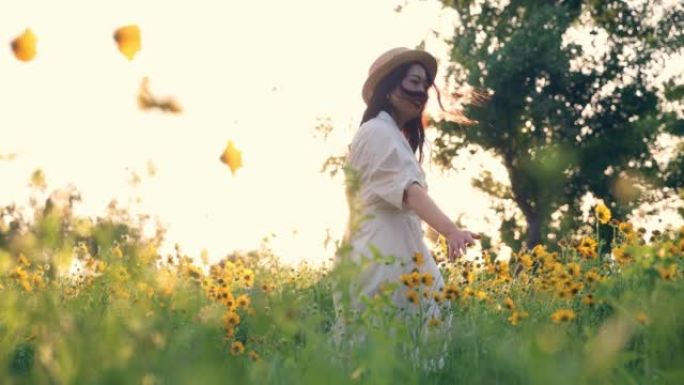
[394, 215]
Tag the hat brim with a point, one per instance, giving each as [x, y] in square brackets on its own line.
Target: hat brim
[422, 57]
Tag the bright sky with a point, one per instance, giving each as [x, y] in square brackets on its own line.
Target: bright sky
[252, 72]
[255, 72]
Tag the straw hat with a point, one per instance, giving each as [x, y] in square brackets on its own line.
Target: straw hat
[390, 60]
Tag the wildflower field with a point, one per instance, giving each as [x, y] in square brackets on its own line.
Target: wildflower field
[590, 312]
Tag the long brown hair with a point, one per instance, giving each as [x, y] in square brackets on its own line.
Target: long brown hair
[416, 130]
[379, 102]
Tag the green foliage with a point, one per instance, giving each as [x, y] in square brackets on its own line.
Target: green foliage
[130, 315]
[565, 129]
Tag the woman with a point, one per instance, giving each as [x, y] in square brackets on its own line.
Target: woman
[391, 195]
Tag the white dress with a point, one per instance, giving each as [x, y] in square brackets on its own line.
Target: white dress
[387, 166]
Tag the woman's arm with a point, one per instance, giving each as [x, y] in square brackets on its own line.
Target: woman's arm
[418, 200]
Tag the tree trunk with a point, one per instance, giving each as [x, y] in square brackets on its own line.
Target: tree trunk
[533, 230]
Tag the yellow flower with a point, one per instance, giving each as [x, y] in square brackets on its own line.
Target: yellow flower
[621, 256]
[592, 276]
[526, 261]
[626, 227]
[508, 302]
[451, 292]
[574, 269]
[231, 319]
[563, 315]
[469, 276]
[643, 318]
[418, 258]
[101, 266]
[434, 321]
[247, 277]
[226, 298]
[24, 261]
[24, 46]
[26, 285]
[266, 288]
[516, 316]
[539, 251]
[667, 273]
[243, 301]
[588, 300]
[116, 251]
[444, 247]
[587, 247]
[564, 294]
[254, 356]
[38, 280]
[575, 288]
[412, 296]
[415, 279]
[602, 213]
[438, 296]
[427, 279]
[406, 280]
[237, 348]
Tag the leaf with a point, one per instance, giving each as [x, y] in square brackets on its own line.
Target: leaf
[128, 40]
[24, 46]
[232, 157]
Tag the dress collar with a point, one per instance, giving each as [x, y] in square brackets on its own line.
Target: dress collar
[385, 116]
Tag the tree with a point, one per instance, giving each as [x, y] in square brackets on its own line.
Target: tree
[565, 123]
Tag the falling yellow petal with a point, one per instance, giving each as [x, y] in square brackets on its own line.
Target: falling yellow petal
[147, 101]
[232, 157]
[128, 40]
[24, 46]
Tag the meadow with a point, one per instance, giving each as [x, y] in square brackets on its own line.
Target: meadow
[86, 301]
[93, 300]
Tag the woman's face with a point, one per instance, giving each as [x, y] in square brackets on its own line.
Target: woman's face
[409, 97]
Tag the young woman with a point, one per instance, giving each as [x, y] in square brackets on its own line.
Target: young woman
[392, 196]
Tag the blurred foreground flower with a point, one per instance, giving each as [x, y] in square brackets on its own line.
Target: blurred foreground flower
[38, 180]
[237, 348]
[24, 46]
[232, 157]
[128, 40]
[563, 315]
[147, 101]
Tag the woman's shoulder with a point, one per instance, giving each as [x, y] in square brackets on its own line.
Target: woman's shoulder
[376, 128]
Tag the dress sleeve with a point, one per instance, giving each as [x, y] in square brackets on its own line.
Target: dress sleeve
[390, 166]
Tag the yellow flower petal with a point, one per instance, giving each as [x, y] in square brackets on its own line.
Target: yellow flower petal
[232, 157]
[24, 46]
[128, 40]
[147, 101]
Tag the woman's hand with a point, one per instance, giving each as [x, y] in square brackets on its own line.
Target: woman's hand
[457, 242]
